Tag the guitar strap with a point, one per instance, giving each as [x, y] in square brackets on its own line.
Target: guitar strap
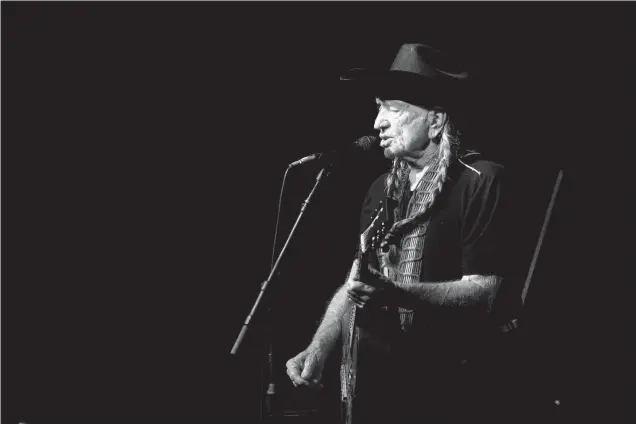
[409, 256]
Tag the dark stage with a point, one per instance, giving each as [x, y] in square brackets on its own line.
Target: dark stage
[144, 146]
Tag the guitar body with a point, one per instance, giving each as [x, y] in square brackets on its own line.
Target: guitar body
[367, 366]
[367, 340]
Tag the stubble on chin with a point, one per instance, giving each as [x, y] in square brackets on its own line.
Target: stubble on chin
[389, 154]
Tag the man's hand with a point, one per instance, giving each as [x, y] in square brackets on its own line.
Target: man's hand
[369, 286]
[305, 369]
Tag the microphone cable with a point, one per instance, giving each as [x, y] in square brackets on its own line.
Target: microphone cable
[280, 201]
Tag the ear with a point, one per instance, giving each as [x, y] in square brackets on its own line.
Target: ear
[437, 120]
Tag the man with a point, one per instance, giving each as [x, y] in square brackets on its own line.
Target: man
[415, 315]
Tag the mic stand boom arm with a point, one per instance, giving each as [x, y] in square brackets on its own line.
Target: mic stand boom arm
[268, 409]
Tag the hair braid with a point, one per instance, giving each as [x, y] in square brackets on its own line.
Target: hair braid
[398, 177]
[396, 180]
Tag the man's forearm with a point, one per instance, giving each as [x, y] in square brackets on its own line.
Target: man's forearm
[330, 327]
[469, 291]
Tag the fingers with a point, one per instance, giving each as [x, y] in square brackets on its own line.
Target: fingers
[375, 278]
[359, 301]
[360, 293]
[373, 271]
[312, 372]
[293, 371]
[303, 376]
[359, 288]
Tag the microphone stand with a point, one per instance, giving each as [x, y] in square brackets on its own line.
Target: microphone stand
[269, 410]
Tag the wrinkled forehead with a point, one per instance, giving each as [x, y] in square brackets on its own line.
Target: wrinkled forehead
[406, 94]
[401, 105]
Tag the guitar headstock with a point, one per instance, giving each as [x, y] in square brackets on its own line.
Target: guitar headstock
[376, 239]
[373, 236]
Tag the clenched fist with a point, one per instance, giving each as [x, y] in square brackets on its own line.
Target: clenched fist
[305, 369]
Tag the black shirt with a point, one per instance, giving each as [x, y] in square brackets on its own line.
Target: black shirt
[465, 235]
[434, 367]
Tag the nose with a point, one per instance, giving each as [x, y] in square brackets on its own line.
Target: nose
[381, 123]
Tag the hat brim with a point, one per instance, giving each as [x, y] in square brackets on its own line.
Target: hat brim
[402, 85]
[375, 75]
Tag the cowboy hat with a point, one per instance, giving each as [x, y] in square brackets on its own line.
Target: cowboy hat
[420, 74]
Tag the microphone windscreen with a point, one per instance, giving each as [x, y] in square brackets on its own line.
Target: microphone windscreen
[367, 142]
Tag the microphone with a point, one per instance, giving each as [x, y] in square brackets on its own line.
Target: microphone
[358, 148]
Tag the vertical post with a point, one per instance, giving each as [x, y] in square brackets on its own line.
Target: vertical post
[269, 403]
[541, 235]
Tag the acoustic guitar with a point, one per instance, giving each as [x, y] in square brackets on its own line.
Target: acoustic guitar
[367, 333]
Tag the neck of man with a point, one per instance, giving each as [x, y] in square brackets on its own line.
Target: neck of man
[424, 157]
[419, 166]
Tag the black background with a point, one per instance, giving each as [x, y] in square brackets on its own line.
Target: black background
[144, 149]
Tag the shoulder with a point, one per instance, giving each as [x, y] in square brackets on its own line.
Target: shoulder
[474, 174]
[480, 169]
[377, 187]
[375, 194]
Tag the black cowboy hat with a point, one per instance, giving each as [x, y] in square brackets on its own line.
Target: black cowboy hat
[420, 74]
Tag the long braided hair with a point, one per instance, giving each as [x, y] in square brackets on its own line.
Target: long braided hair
[398, 178]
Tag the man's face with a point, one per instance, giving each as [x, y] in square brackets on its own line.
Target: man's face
[404, 129]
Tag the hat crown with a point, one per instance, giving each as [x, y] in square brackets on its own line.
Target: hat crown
[420, 75]
[427, 61]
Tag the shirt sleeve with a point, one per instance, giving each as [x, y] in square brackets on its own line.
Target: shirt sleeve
[483, 223]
